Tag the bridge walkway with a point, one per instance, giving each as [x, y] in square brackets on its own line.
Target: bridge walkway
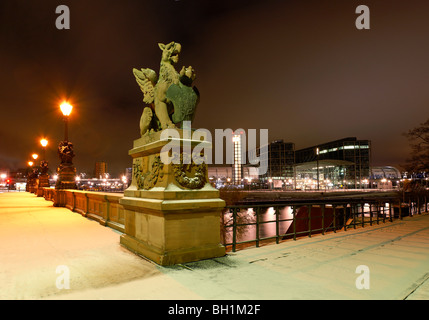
[36, 239]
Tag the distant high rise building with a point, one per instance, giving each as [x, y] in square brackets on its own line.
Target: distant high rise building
[237, 167]
[100, 169]
[280, 158]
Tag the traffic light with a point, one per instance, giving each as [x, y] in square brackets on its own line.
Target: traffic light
[8, 181]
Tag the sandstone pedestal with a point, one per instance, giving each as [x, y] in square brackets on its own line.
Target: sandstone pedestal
[66, 181]
[172, 213]
[66, 176]
[43, 183]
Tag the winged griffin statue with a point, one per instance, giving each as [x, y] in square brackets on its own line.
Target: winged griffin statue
[171, 99]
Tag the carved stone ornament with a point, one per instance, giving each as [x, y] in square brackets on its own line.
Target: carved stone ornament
[65, 152]
[182, 172]
[44, 167]
[148, 180]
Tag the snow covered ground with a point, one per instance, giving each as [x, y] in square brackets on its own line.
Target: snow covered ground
[42, 246]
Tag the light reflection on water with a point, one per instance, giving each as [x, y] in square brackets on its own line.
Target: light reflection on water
[268, 229]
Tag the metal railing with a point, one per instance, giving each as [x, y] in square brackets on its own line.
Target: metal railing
[247, 225]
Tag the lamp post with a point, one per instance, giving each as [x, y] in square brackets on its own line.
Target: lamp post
[44, 144]
[29, 176]
[34, 174]
[44, 176]
[317, 153]
[66, 109]
[66, 170]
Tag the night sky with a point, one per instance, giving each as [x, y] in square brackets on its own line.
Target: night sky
[298, 68]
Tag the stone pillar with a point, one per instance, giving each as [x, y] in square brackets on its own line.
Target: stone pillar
[32, 182]
[66, 177]
[43, 178]
[172, 213]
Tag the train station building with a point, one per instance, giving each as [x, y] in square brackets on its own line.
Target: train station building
[338, 164]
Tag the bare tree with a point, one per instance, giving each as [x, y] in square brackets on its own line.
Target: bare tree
[419, 142]
[232, 197]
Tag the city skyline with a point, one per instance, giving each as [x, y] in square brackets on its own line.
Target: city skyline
[302, 71]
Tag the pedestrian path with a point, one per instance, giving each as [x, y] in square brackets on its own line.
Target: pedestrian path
[42, 246]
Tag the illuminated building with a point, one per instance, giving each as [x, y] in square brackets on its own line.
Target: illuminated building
[343, 163]
[100, 170]
[280, 157]
[237, 167]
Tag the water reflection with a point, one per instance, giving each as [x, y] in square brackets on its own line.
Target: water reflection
[267, 220]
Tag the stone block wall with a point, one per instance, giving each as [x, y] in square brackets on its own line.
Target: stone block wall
[102, 207]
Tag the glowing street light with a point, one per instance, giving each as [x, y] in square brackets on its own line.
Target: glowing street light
[43, 181]
[66, 170]
[35, 156]
[30, 163]
[270, 180]
[44, 144]
[66, 109]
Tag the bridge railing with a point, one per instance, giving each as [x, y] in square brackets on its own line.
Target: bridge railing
[254, 224]
[99, 206]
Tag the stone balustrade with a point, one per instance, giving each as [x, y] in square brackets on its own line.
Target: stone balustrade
[99, 206]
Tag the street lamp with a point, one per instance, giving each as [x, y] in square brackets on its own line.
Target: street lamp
[44, 176]
[66, 170]
[66, 109]
[30, 176]
[317, 153]
[44, 144]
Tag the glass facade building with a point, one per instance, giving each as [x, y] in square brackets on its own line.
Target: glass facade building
[343, 163]
[280, 157]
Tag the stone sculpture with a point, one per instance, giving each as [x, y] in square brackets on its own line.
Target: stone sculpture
[65, 152]
[171, 210]
[66, 170]
[170, 96]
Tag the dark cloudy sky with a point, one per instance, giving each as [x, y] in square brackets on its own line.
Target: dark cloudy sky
[298, 68]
